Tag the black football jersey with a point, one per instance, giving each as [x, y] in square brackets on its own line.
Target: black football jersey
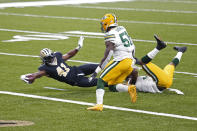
[61, 72]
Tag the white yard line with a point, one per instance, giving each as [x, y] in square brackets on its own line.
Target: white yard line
[170, 1]
[135, 9]
[86, 62]
[92, 104]
[95, 19]
[55, 2]
[53, 88]
[86, 34]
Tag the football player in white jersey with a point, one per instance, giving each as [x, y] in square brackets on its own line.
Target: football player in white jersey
[158, 79]
[120, 45]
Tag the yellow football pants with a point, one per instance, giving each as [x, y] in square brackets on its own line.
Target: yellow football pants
[115, 72]
[163, 77]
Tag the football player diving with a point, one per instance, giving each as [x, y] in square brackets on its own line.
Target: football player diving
[54, 66]
[158, 79]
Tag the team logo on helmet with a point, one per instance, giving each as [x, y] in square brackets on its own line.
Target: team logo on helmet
[46, 55]
[107, 21]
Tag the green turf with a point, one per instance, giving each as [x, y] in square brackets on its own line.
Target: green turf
[57, 116]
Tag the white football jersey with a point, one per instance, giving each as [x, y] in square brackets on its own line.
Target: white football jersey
[124, 47]
[146, 84]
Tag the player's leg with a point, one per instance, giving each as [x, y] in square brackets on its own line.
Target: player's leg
[131, 89]
[159, 75]
[160, 45]
[111, 72]
[88, 69]
[120, 72]
[99, 96]
[100, 88]
[83, 81]
[169, 69]
[178, 56]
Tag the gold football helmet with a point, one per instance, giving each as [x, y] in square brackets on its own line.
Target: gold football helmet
[107, 21]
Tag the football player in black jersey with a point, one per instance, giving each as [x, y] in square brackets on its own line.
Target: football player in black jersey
[54, 66]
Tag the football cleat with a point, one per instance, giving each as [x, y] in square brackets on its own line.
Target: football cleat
[160, 44]
[132, 93]
[180, 49]
[107, 21]
[97, 107]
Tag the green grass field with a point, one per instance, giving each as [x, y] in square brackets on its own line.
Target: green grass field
[31, 23]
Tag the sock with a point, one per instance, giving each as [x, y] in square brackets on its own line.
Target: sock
[146, 59]
[179, 55]
[99, 96]
[101, 84]
[121, 88]
[153, 53]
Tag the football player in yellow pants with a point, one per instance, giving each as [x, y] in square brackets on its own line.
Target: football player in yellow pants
[120, 45]
[161, 78]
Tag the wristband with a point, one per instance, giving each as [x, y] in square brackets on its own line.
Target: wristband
[98, 69]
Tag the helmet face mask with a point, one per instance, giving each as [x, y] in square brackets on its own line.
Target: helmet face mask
[47, 56]
[108, 20]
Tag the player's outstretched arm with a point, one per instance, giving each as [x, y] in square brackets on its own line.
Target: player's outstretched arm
[72, 53]
[30, 78]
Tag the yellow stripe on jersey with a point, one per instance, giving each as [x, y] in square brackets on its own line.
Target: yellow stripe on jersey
[109, 36]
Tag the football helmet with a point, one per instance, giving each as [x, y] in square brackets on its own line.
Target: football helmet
[46, 55]
[108, 20]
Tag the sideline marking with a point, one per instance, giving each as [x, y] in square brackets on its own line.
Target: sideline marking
[105, 106]
[135, 9]
[94, 19]
[86, 62]
[54, 2]
[64, 35]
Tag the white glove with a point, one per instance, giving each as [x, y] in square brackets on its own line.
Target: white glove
[25, 78]
[80, 43]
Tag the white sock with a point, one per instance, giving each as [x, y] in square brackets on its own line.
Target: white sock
[153, 53]
[99, 96]
[179, 55]
[121, 88]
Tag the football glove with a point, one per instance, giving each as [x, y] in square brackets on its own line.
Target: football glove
[80, 43]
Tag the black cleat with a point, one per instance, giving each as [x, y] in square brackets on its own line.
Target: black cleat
[180, 49]
[160, 44]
